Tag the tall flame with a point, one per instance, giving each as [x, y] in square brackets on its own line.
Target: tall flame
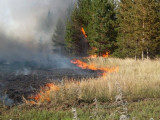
[84, 33]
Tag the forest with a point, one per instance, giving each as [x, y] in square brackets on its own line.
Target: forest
[102, 62]
[125, 28]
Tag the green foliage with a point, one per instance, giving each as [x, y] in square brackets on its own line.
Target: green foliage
[98, 19]
[58, 37]
[138, 28]
[102, 34]
[73, 36]
[127, 29]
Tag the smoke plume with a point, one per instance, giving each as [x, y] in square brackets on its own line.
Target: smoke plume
[26, 29]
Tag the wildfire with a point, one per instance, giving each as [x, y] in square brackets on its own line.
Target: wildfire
[84, 33]
[45, 94]
[93, 56]
[83, 65]
[105, 55]
[104, 70]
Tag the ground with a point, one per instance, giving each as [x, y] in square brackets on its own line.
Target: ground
[137, 82]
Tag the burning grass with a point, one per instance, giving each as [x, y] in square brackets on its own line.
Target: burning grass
[139, 80]
[44, 95]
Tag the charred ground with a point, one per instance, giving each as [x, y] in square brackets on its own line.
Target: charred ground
[19, 80]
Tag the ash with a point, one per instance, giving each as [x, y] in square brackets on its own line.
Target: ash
[24, 81]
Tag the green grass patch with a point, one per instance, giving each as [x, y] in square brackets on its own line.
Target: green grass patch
[143, 110]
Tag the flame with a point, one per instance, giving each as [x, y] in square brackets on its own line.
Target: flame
[104, 70]
[105, 55]
[45, 94]
[84, 33]
[83, 65]
[93, 56]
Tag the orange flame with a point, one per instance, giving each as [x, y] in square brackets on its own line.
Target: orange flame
[84, 33]
[93, 56]
[45, 94]
[105, 55]
[83, 65]
[104, 70]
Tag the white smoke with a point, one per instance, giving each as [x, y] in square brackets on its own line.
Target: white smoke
[26, 28]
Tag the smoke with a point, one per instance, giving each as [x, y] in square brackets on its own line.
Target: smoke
[26, 29]
[6, 100]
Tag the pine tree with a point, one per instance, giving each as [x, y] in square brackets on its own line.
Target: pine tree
[127, 42]
[58, 38]
[102, 28]
[153, 31]
[138, 28]
[147, 24]
[75, 41]
[73, 35]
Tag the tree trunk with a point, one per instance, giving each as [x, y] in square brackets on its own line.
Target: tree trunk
[142, 55]
[147, 54]
[135, 57]
[136, 50]
[143, 39]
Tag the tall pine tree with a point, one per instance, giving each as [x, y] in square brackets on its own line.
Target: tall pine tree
[138, 28]
[75, 41]
[58, 38]
[102, 28]
[127, 41]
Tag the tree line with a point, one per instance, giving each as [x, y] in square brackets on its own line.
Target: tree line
[125, 28]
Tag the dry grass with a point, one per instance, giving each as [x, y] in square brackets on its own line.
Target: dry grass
[138, 80]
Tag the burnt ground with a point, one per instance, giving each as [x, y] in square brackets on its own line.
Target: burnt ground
[24, 83]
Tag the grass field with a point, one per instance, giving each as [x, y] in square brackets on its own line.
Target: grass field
[139, 82]
[143, 110]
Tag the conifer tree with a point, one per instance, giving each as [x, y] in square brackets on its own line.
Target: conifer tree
[127, 41]
[73, 34]
[138, 28]
[58, 38]
[76, 42]
[147, 25]
[102, 28]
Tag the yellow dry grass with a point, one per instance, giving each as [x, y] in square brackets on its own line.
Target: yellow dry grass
[138, 80]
